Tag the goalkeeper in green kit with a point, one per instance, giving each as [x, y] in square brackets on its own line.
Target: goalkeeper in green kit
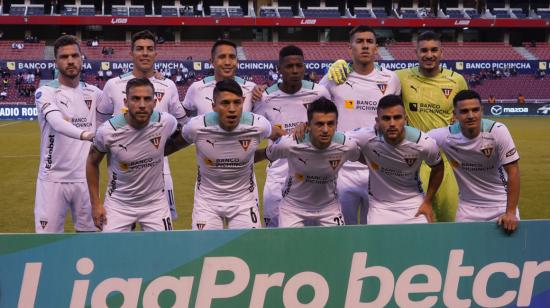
[428, 91]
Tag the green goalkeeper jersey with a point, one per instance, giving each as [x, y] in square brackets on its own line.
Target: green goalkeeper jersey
[429, 100]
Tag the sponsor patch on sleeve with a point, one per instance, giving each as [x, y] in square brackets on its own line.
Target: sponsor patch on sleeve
[511, 152]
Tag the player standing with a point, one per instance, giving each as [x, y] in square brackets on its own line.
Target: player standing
[144, 53]
[285, 105]
[485, 161]
[134, 143]
[199, 96]
[356, 100]
[66, 115]
[225, 140]
[309, 192]
[394, 153]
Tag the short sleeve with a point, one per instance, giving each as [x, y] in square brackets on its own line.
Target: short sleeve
[45, 101]
[461, 83]
[171, 123]
[260, 106]
[354, 150]
[247, 93]
[105, 104]
[264, 125]
[99, 139]
[175, 107]
[432, 156]
[361, 136]
[505, 144]
[189, 131]
[189, 97]
[396, 84]
[438, 135]
[279, 149]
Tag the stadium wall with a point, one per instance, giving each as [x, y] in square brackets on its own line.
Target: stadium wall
[444, 264]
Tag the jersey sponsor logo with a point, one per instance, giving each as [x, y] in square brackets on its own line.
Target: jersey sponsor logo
[349, 104]
[38, 95]
[43, 224]
[454, 164]
[447, 92]
[123, 166]
[158, 96]
[410, 160]
[374, 166]
[487, 152]
[413, 107]
[49, 158]
[334, 163]
[200, 226]
[511, 152]
[382, 87]
[155, 141]
[245, 143]
[208, 161]
[88, 103]
[300, 177]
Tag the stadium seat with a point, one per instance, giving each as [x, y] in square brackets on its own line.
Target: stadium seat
[509, 88]
[472, 13]
[409, 13]
[218, 11]
[541, 50]
[18, 10]
[169, 11]
[544, 13]
[31, 51]
[35, 10]
[136, 11]
[379, 12]
[461, 51]
[518, 13]
[322, 12]
[188, 11]
[69, 10]
[455, 13]
[86, 10]
[501, 13]
[235, 11]
[361, 12]
[119, 10]
[285, 11]
[266, 11]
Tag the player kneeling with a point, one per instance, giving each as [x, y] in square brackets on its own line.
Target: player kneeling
[134, 142]
[309, 192]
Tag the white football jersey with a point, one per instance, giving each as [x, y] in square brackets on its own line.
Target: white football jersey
[312, 172]
[358, 98]
[478, 162]
[225, 159]
[200, 94]
[287, 111]
[393, 176]
[63, 159]
[135, 158]
[166, 96]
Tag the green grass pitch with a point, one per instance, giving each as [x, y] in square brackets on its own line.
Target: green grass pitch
[19, 144]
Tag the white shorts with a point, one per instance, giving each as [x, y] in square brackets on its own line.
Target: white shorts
[212, 216]
[353, 194]
[469, 213]
[381, 213]
[155, 216]
[169, 193]
[292, 217]
[272, 197]
[52, 201]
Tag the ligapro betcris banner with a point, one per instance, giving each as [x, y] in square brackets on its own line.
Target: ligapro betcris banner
[446, 264]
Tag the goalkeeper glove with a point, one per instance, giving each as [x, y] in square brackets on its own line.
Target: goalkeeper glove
[339, 71]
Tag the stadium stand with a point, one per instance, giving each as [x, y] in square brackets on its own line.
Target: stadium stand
[472, 13]
[86, 10]
[285, 11]
[136, 10]
[119, 10]
[188, 11]
[509, 88]
[540, 50]
[268, 11]
[461, 51]
[69, 10]
[235, 11]
[544, 13]
[218, 11]
[30, 51]
[518, 13]
[322, 12]
[18, 10]
[501, 13]
[169, 11]
[35, 10]
[455, 13]
[409, 13]
[361, 12]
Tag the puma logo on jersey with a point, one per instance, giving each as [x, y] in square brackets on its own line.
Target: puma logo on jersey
[349, 84]
[123, 146]
[211, 142]
[414, 88]
[245, 143]
[63, 103]
[277, 109]
[155, 141]
[209, 99]
[447, 92]
[304, 161]
[334, 163]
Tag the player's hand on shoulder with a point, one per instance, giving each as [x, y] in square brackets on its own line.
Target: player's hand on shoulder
[508, 221]
[299, 132]
[88, 136]
[276, 132]
[257, 92]
[339, 71]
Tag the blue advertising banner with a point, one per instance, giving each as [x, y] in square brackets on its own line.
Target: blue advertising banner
[424, 265]
[18, 112]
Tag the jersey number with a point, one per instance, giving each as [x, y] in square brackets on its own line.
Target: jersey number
[253, 215]
[167, 223]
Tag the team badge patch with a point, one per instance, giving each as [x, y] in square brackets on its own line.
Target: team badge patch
[43, 224]
[306, 105]
[38, 95]
[410, 160]
[88, 103]
[334, 163]
[201, 226]
[487, 152]
[383, 87]
[348, 104]
[245, 143]
[155, 141]
[159, 96]
[447, 92]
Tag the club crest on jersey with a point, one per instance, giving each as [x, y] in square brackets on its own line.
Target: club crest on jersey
[88, 103]
[43, 224]
[447, 92]
[155, 141]
[348, 103]
[200, 226]
[410, 160]
[334, 163]
[159, 96]
[306, 105]
[245, 143]
[383, 87]
[487, 152]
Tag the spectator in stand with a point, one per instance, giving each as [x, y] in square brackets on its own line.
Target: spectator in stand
[100, 75]
[6, 82]
[521, 99]
[104, 51]
[491, 99]
[18, 79]
[30, 78]
[513, 71]
[109, 74]
[506, 72]
[4, 94]
[95, 42]
[540, 74]
[37, 72]
[498, 73]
